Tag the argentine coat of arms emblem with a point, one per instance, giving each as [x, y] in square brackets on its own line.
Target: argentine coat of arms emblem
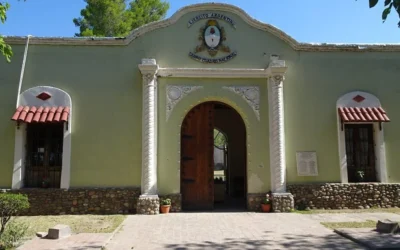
[212, 38]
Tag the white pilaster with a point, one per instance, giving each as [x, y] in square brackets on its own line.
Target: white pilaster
[149, 70]
[277, 134]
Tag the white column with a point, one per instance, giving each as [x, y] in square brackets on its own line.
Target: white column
[149, 69]
[277, 134]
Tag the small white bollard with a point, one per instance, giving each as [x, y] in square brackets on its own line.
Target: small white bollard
[59, 231]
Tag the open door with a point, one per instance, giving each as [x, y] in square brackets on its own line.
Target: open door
[197, 158]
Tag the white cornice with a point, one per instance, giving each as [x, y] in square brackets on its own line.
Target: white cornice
[205, 7]
[212, 73]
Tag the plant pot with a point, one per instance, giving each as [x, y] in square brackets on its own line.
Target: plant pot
[165, 209]
[266, 208]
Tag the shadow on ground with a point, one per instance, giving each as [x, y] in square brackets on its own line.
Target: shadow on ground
[306, 241]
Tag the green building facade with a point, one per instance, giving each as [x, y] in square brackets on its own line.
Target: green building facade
[137, 116]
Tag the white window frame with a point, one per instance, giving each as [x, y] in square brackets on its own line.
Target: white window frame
[28, 98]
[379, 142]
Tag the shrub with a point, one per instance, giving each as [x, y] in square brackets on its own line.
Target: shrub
[166, 202]
[10, 205]
[13, 234]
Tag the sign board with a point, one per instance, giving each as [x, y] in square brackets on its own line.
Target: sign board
[307, 163]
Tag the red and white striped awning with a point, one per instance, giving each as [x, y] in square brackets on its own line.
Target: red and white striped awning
[41, 114]
[373, 114]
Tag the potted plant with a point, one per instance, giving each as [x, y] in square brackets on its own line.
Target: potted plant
[360, 174]
[165, 205]
[266, 204]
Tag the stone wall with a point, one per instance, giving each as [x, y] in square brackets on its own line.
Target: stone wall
[282, 202]
[176, 201]
[80, 200]
[345, 196]
[254, 201]
[148, 204]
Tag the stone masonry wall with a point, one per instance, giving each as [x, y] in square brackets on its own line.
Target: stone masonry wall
[282, 202]
[80, 200]
[176, 201]
[254, 201]
[345, 196]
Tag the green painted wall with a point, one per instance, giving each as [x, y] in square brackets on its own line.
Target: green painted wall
[105, 85]
[9, 78]
[319, 79]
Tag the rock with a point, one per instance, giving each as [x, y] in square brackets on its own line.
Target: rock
[387, 226]
[59, 231]
[41, 234]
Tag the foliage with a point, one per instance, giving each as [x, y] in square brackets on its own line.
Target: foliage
[13, 234]
[10, 205]
[114, 18]
[220, 139]
[388, 6]
[267, 199]
[301, 206]
[5, 49]
[147, 11]
[348, 224]
[360, 175]
[166, 202]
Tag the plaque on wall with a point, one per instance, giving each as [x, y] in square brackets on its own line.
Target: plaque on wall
[307, 163]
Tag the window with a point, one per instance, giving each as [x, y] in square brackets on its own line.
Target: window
[360, 123]
[360, 153]
[44, 155]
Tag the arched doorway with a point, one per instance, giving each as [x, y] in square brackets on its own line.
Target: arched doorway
[213, 158]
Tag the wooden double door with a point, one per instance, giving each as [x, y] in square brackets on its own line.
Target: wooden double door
[197, 158]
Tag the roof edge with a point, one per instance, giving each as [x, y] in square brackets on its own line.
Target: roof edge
[99, 41]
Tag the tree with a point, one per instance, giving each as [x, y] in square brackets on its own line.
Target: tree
[114, 17]
[389, 5]
[11, 205]
[5, 49]
[147, 11]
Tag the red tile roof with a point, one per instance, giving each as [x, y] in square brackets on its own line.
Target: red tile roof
[42, 114]
[349, 114]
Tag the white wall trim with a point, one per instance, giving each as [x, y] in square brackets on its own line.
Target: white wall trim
[224, 72]
[58, 98]
[251, 94]
[212, 73]
[277, 133]
[175, 93]
[19, 157]
[380, 152]
[28, 98]
[205, 7]
[148, 69]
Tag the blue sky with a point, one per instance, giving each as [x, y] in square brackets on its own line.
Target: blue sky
[331, 21]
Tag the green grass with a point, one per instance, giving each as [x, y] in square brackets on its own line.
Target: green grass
[78, 223]
[335, 225]
[371, 210]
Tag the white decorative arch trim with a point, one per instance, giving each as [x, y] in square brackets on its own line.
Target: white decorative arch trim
[368, 100]
[58, 97]
[251, 94]
[175, 93]
[29, 98]
[205, 7]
